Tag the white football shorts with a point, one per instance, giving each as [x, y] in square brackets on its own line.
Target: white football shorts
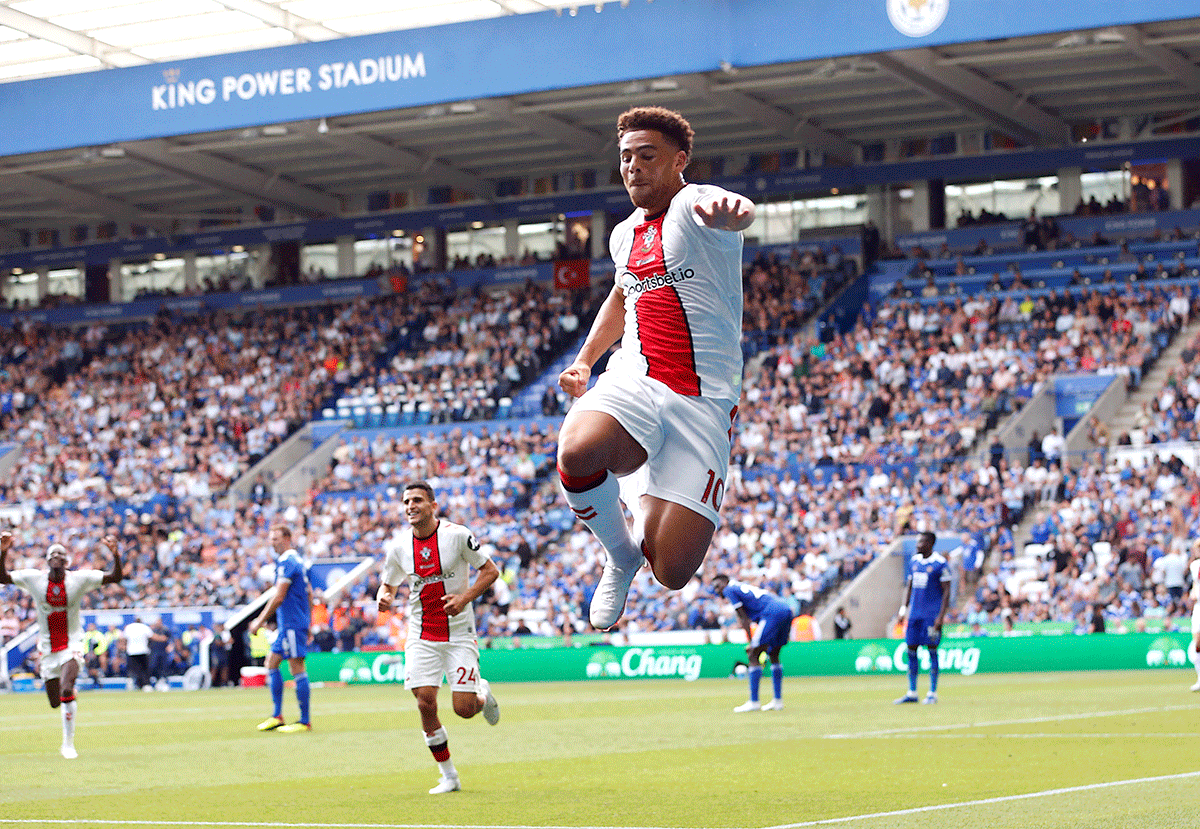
[687, 440]
[426, 663]
[1196, 620]
[52, 663]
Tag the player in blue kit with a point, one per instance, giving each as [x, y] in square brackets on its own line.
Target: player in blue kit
[926, 597]
[293, 610]
[774, 615]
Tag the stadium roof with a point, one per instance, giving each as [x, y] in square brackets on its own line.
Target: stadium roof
[56, 37]
[1036, 89]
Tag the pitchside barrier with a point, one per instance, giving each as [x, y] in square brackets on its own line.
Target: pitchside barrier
[846, 657]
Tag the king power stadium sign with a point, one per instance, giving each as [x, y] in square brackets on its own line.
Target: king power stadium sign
[178, 91]
[966, 657]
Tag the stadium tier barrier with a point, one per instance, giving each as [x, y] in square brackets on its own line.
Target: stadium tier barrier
[837, 657]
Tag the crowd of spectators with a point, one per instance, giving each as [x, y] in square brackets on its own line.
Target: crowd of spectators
[814, 491]
[1171, 417]
[464, 353]
[1114, 543]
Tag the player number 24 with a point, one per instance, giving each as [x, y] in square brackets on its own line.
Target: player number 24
[466, 675]
[715, 488]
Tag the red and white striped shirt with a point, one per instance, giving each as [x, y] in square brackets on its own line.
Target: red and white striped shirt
[435, 567]
[57, 605]
[683, 297]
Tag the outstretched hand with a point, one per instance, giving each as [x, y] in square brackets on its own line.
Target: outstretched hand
[6, 541]
[721, 215]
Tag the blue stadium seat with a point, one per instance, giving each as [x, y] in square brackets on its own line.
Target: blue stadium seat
[360, 417]
[392, 415]
[375, 417]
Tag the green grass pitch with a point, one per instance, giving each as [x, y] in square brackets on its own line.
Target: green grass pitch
[1102, 749]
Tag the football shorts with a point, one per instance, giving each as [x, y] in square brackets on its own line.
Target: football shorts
[426, 663]
[52, 663]
[687, 440]
[774, 630]
[291, 643]
[920, 632]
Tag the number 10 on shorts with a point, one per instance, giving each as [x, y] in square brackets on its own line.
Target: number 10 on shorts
[715, 489]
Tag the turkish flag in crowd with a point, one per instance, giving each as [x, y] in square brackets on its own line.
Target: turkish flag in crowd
[572, 274]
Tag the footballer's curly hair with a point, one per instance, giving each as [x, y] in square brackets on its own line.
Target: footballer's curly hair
[671, 124]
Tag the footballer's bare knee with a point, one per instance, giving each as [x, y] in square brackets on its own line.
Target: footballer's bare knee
[466, 708]
[673, 577]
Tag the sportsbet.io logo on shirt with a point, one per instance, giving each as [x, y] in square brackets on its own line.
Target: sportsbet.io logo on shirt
[917, 18]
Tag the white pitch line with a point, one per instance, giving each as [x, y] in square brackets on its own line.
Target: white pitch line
[1045, 735]
[986, 801]
[823, 822]
[1084, 715]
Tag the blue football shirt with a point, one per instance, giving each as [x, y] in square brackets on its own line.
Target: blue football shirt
[296, 611]
[930, 579]
[758, 603]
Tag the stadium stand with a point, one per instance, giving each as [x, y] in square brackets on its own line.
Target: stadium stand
[841, 444]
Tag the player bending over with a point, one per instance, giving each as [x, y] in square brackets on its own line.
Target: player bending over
[774, 617]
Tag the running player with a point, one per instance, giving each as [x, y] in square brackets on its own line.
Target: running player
[774, 615]
[57, 593]
[926, 597]
[433, 556]
[660, 418]
[293, 621]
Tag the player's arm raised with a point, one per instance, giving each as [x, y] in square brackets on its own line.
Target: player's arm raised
[117, 573]
[606, 330]
[721, 214]
[6, 542]
[455, 602]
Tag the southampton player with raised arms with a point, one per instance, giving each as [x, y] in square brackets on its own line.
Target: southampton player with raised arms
[57, 593]
[434, 556]
[926, 598]
[655, 430]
